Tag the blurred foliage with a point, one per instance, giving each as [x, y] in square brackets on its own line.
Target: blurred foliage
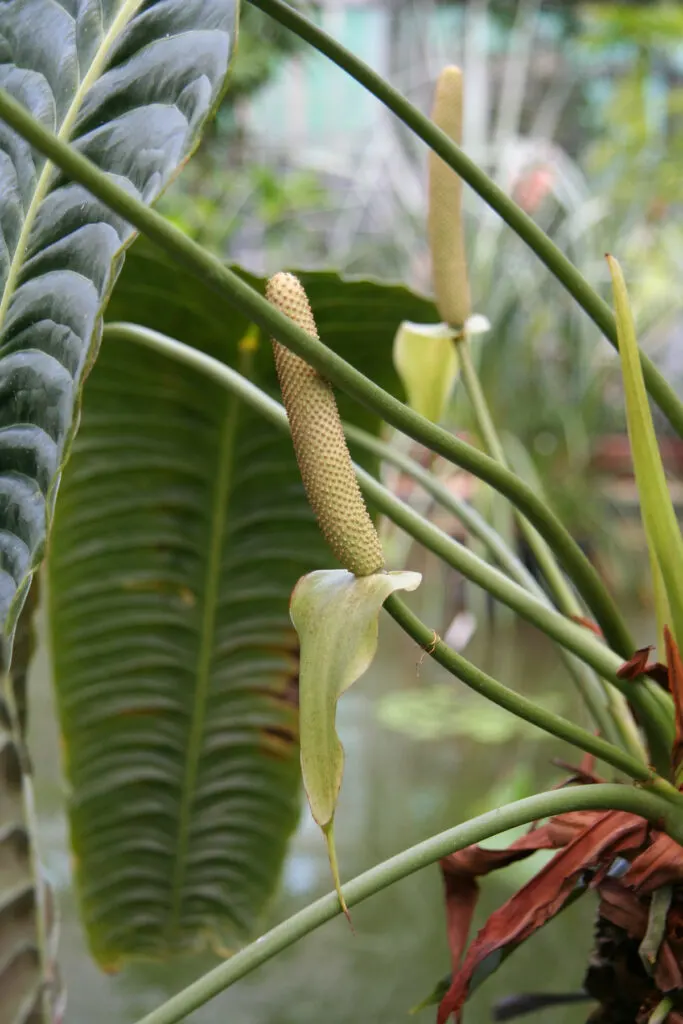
[262, 43]
[444, 711]
[639, 146]
[645, 24]
[226, 185]
[219, 197]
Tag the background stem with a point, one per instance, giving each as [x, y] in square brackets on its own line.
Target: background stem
[607, 706]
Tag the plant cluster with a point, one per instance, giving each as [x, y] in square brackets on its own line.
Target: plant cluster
[144, 455]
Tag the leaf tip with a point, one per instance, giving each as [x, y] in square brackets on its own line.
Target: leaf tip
[328, 832]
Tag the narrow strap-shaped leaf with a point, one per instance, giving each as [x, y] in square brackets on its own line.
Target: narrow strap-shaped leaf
[659, 517]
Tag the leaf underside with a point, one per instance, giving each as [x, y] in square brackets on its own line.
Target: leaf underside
[130, 84]
[181, 530]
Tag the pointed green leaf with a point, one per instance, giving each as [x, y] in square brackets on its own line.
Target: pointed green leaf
[659, 517]
[180, 531]
[426, 360]
[335, 615]
[130, 84]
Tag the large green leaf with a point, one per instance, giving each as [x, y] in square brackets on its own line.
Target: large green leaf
[358, 317]
[30, 987]
[130, 84]
[180, 532]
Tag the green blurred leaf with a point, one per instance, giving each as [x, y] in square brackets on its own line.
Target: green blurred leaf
[426, 360]
[335, 615]
[659, 517]
[181, 529]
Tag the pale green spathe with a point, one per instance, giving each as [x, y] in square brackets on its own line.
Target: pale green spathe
[335, 615]
[426, 360]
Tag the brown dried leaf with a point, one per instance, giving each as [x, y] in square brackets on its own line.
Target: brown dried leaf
[460, 872]
[661, 863]
[636, 666]
[588, 623]
[590, 839]
[673, 660]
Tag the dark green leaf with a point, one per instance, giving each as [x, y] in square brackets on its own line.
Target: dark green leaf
[181, 530]
[130, 84]
[356, 318]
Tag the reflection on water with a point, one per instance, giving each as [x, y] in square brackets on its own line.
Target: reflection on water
[397, 790]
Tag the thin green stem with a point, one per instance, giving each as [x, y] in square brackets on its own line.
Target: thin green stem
[576, 639]
[223, 281]
[606, 705]
[522, 812]
[555, 260]
[474, 523]
[587, 682]
[506, 698]
[563, 594]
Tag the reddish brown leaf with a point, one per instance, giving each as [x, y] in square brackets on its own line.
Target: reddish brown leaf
[636, 666]
[660, 674]
[590, 839]
[661, 863]
[460, 872]
[673, 660]
[588, 623]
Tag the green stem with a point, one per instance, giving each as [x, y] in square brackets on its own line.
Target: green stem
[587, 682]
[579, 641]
[564, 596]
[225, 282]
[522, 812]
[474, 523]
[555, 260]
[506, 698]
[608, 707]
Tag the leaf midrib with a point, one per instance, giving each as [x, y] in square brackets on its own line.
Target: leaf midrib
[124, 15]
[221, 497]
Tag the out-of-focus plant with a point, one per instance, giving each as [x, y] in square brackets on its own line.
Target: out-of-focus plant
[228, 188]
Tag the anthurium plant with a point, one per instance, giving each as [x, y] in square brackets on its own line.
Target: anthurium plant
[215, 577]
